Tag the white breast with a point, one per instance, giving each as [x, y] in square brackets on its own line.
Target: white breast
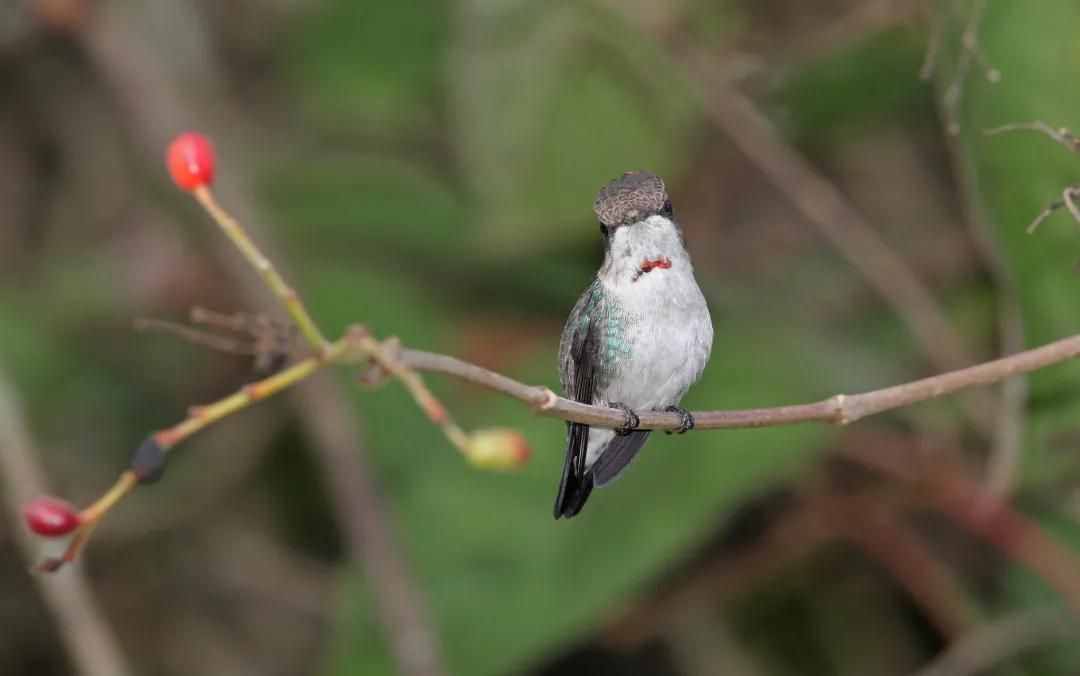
[672, 335]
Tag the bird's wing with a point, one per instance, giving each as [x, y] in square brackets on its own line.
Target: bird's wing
[578, 352]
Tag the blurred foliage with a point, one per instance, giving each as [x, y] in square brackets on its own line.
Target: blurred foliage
[442, 161]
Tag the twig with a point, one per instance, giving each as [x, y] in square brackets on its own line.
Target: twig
[157, 110]
[82, 626]
[1060, 135]
[197, 337]
[269, 342]
[1043, 215]
[1067, 139]
[970, 53]
[990, 644]
[148, 468]
[1068, 202]
[840, 409]
[358, 340]
[265, 268]
[357, 345]
[849, 233]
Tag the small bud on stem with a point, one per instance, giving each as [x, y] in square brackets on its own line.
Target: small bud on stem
[497, 448]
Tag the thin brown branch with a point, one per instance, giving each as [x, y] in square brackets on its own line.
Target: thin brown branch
[83, 628]
[840, 409]
[993, 643]
[826, 208]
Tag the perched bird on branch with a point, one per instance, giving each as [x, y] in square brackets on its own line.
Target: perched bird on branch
[638, 337]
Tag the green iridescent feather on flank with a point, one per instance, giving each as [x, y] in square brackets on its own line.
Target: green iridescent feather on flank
[606, 316]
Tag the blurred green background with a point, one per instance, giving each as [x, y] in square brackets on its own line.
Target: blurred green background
[427, 169]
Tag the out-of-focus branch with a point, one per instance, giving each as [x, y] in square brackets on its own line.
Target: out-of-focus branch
[1005, 452]
[840, 409]
[82, 626]
[1018, 537]
[990, 644]
[364, 520]
[881, 532]
[813, 522]
[970, 54]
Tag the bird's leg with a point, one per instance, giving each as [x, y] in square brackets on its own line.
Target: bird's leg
[687, 420]
[630, 421]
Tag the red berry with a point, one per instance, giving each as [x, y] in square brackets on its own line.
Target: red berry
[191, 161]
[51, 517]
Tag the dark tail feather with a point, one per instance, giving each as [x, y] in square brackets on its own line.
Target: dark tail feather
[617, 456]
[576, 483]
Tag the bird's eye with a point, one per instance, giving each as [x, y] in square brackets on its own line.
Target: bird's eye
[666, 209]
[603, 230]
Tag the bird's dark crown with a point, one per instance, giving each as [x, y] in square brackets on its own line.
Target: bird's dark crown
[632, 197]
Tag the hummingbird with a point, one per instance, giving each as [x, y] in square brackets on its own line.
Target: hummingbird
[638, 337]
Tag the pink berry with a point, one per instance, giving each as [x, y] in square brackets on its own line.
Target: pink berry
[191, 161]
[51, 517]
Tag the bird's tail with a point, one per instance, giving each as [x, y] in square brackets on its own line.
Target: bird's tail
[577, 482]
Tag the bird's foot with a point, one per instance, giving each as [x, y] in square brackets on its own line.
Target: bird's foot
[630, 419]
[687, 420]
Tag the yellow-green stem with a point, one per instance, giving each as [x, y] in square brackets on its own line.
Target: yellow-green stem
[236, 233]
[124, 485]
[211, 413]
[416, 387]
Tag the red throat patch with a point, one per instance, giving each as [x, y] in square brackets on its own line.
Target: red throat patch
[650, 264]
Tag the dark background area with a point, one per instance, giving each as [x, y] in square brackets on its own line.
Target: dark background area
[428, 169]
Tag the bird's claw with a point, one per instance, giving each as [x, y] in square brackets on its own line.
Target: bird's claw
[687, 423]
[630, 419]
